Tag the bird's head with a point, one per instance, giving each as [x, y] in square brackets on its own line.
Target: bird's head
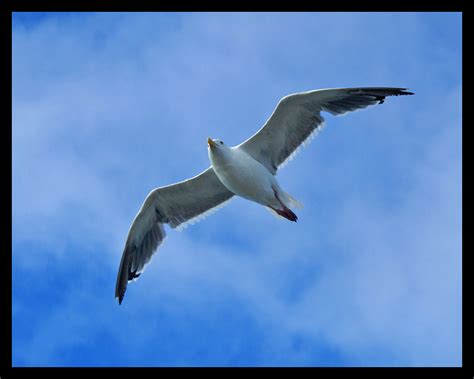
[218, 150]
[215, 143]
[217, 147]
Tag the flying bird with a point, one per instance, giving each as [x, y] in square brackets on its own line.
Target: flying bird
[247, 170]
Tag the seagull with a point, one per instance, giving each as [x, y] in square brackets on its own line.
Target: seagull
[247, 170]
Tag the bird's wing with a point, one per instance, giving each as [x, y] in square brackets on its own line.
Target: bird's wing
[176, 205]
[297, 116]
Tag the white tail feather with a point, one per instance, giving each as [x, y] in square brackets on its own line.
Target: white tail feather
[290, 201]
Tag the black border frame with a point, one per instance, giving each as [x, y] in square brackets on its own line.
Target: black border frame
[8, 7]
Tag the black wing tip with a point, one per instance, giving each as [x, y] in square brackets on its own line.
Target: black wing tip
[389, 92]
[120, 293]
[403, 91]
[382, 91]
[398, 92]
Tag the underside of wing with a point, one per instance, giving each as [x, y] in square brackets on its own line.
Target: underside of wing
[175, 205]
[298, 116]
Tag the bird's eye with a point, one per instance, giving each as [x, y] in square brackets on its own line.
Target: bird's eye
[222, 143]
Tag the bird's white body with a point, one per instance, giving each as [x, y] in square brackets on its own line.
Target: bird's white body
[245, 176]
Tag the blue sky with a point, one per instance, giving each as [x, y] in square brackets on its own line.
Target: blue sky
[107, 107]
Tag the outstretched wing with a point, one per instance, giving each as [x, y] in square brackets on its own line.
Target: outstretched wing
[297, 116]
[176, 205]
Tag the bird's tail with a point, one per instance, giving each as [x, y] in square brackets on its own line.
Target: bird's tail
[286, 201]
[290, 201]
[285, 213]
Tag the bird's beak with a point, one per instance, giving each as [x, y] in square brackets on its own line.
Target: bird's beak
[210, 142]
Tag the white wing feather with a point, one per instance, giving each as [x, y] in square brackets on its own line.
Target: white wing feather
[298, 116]
[177, 205]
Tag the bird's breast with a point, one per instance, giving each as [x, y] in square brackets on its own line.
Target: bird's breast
[244, 176]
